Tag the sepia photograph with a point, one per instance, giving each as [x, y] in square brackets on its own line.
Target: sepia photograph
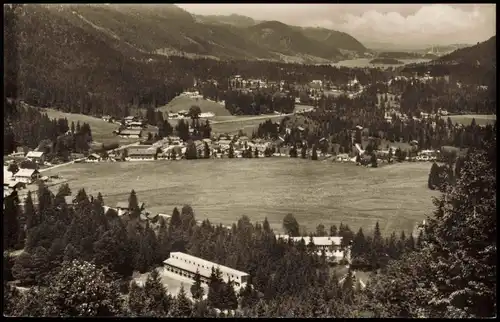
[248, 160]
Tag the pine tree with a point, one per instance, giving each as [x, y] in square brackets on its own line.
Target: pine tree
[206, 150]
[303, 152]
[175, 220]
[159, 302]
[32, 218]
[266, 226]
[314, 155]
[133, 205]
[215, 289]
[197, 289]
[231, 300]
[420, 239]
[461, 237]
[359, 246]
[433, 181]
[70, 253]
[11, 228]
[183, 306]
[333, 230]
[136, 299]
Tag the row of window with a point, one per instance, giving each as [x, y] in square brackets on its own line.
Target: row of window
[202, 266]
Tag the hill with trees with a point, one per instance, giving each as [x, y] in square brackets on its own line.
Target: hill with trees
[472, 65]
[169, 30]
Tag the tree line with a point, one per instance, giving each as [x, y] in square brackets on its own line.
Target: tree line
[28, 127]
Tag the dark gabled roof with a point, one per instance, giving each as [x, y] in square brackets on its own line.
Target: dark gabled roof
[143, 151]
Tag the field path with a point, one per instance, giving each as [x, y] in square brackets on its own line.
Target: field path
[81, 159]
[251, 118]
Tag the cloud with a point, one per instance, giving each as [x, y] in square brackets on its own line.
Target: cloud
[417, 24]
[430, 23]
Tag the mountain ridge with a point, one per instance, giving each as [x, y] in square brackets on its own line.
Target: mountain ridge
[169, 30]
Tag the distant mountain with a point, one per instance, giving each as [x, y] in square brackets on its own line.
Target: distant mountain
[169, 30]
[445, 49]
[233, 20]
[335, 39]
[281, 38]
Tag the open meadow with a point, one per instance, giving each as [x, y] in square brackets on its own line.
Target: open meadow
[480, 119]
[102, 131]
[223, 190]
[180, 103]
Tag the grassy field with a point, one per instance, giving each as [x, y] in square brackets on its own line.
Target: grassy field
[184, 103]
[223, 190]
[467, 119]
[101, 131]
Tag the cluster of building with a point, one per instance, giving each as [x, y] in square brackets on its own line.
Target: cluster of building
[173, 146]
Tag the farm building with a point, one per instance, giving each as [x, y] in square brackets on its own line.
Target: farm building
[93, 158]
[129, 119]
[36, 156]
[141, 154]
[187, 265]
[135, 125]
[27, 175]
[9, 185]
[130, 133]
[331, 245]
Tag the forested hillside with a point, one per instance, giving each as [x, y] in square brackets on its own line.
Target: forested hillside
[472, 65]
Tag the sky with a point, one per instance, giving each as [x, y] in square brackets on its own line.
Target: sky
[410, 25]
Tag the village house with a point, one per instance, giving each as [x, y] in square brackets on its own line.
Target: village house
[122, 207]
[135, 125]
[93, 158]
[10, 185]
[130, 119]
[141, 154]
[36, 156]
[26, 175]
[186, 265]
[130, 133]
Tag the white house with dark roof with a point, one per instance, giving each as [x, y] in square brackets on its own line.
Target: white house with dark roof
[186, 265]
[331, 245]
[141, 154]
[93, 158]
[26, 175]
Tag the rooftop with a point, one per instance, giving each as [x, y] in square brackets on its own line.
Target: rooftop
[205, 267]
[34, 154]
[141, 151]
[25, 172]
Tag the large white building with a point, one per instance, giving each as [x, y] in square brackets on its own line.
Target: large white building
[186, 265]
[331, 245]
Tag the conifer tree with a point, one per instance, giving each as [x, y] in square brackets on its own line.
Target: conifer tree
[133, 205]
[197, 289]
[182, 306]
[11, 228]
